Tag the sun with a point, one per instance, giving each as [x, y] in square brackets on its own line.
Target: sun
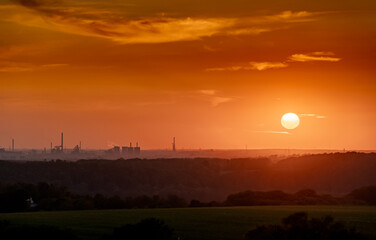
[290, 121]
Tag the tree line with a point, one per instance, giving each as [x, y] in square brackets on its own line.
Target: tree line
[21, 197]
[204, 179]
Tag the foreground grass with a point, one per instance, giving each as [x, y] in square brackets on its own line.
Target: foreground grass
[194, 223]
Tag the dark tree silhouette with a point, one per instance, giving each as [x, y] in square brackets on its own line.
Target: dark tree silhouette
[147, 229]
[365, 194]
[298, 227]
[11, 232]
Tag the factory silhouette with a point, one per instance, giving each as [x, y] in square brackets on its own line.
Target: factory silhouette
[61, 152]
[125, 150]
[115, 150]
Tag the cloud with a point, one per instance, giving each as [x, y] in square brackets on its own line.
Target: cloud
[301, 16]
[260, 66]
[275, 132]
[315, 56]
[311, 115]
[215, 101]
[212, 96]
[323, 53]
[307, 115]
[113, 25]
[13, 67]
[148, 30]
[207, 91]
[34, 3]
[9, 67]
[7, 7]
[154, 103]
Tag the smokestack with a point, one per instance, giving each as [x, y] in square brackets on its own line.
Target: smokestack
[51, 147]
[12, 144]
[130, 144]
[80, 146]
[173, 145]
[62, 142]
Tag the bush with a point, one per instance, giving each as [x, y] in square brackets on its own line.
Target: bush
[366, 194]
[11, 232]
[298, 227]
[147, 229]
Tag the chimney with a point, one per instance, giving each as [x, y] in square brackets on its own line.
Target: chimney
[62, 142]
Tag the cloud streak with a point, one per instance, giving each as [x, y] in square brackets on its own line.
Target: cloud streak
[15, 67]
[315, 56]
[50, 14]
[215, 101]
[212, 96]
[274, 132]
[311, 115]
[260, 66]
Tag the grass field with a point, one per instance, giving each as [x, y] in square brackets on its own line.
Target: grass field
[194, 223]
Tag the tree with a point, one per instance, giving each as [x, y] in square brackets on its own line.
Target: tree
[298, 227]
[366, 194]
[10, 232]
[147, 229]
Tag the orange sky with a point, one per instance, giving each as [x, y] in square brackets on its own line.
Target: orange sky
[213, 74]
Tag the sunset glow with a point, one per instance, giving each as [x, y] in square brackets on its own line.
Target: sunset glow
[215, 75]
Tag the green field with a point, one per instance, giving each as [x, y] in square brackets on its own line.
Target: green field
[194, 223]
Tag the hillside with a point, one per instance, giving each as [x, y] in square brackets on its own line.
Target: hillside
[202, 179]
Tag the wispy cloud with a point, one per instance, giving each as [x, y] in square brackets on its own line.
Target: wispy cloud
[154, 103]
[274, 132]
[296, 16]
[207, 91]
[89, 21]
[213, 97]
[13, 67]
[315, 56]
[260, 66]
[323, 53]
[311, 115]
[215, 101]
[307, 115]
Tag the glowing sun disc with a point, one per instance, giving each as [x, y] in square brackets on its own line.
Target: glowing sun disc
[290, 121]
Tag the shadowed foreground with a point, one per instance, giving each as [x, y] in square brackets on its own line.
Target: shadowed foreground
[298, 227]
[194, 223]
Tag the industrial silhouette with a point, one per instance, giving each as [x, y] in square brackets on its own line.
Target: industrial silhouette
[125, 150]
[58, 148]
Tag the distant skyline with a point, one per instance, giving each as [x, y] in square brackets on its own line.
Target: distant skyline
[213, 74]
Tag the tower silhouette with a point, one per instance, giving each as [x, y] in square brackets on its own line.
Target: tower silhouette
[173, 145]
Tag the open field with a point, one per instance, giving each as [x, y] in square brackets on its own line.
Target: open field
[194, 223]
